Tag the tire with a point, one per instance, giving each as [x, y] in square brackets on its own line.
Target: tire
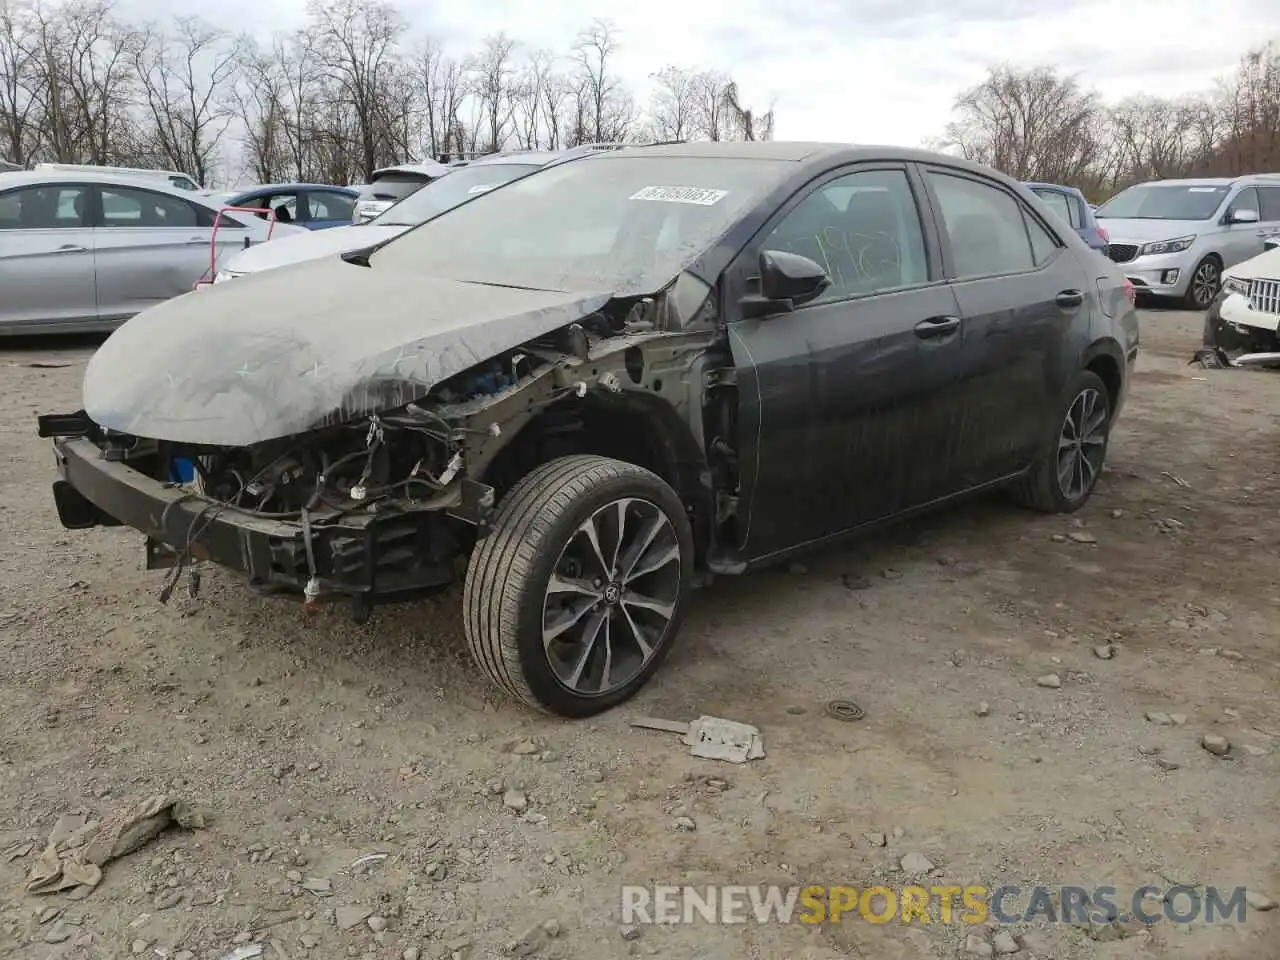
[539, 531]
[1205, 282]
[1040, 489]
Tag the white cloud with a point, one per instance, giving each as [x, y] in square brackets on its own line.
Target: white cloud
[870, 71]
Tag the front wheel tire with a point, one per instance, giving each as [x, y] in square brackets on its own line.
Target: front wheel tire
[1206, 281]
[1067, 470]
[574, 599]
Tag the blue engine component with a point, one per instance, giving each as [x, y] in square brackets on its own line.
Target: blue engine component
[487, 382]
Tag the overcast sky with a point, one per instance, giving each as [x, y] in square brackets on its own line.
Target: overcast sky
[870, 71]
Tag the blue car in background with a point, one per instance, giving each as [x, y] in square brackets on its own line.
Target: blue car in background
[1070, 204]
[312, 205]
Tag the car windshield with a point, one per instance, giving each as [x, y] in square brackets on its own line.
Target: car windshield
[626, 224]
[449, 191]
[1163, 202]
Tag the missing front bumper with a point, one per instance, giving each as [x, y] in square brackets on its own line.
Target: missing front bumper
[384, 555]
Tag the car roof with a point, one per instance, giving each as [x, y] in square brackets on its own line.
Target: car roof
[266, 187]
[1192, 182]
[535, 158]
[24, 178]
[795, 151]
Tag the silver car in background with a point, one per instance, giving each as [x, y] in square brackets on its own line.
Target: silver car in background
[81, 253]
[1173, 238]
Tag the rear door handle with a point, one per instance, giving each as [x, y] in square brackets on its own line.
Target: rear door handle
[937, 327]
[72, 248]
[1069, 298]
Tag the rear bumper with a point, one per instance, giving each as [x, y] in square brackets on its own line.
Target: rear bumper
[387, 556]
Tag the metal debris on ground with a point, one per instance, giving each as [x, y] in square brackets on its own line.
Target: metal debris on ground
[247, 952]
[712, 738]
[1176, 479]
[845, 710]
[78, 848]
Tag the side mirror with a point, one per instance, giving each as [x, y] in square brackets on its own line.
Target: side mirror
[1242, 216]
[1271, 243]
[787, 280]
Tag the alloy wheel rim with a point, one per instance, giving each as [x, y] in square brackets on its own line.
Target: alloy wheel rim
[611, 597]
[1204, 284]
[1082, 444]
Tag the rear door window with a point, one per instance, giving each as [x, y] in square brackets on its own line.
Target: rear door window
[1269, 198]
[1058, 202]
[130, 207]
[985, 226]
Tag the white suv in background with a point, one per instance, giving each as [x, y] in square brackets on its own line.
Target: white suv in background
[1174, 238]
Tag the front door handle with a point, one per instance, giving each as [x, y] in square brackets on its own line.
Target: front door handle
[1069, 298]
[937, 327]
[72, 248]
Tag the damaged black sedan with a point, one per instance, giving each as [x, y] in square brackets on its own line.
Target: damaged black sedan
[589, 390]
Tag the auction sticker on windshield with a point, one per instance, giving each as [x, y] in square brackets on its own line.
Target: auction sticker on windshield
[698, 195]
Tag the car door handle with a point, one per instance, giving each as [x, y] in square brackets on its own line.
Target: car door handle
[198, 240]
[72, 248]
[1069, 298]
[937, 327]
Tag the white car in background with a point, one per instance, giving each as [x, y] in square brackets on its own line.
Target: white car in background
[82, 252]
[1242, 326]
[390, 185]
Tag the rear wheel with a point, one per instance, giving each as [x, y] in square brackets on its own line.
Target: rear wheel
[1070, 463]
[573, 600]
[1206, 281]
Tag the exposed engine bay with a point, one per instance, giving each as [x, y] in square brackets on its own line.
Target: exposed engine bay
[411, 486]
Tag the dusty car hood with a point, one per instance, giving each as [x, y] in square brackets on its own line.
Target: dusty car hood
[1147, 231]
[305, 346]
[308, 245]
[1265, 266]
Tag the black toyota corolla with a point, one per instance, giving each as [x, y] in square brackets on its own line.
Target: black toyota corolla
[590, 389]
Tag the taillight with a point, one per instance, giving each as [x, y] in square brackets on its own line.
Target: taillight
[1130, 293]
[1103, 235]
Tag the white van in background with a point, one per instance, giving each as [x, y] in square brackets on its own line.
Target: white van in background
[174, 178]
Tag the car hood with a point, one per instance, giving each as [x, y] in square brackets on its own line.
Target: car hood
[308, 245]
[1265, 266]
[1146, 231]
[306, 346]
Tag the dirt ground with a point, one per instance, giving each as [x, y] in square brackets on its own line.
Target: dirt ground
[312, 742]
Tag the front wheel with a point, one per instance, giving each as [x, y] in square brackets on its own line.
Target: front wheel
[1070, 463]
[574, 598]
[1206, 281]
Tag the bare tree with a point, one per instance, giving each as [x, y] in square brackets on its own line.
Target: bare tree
[87, 85]
[185, 77]
[608, 110]
[673, 107]
[1031, 124]
[329, 102]
[19, 83]
[360, 50]
[711, 115]
[492, 77]
[744, 122]
[441, 90]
